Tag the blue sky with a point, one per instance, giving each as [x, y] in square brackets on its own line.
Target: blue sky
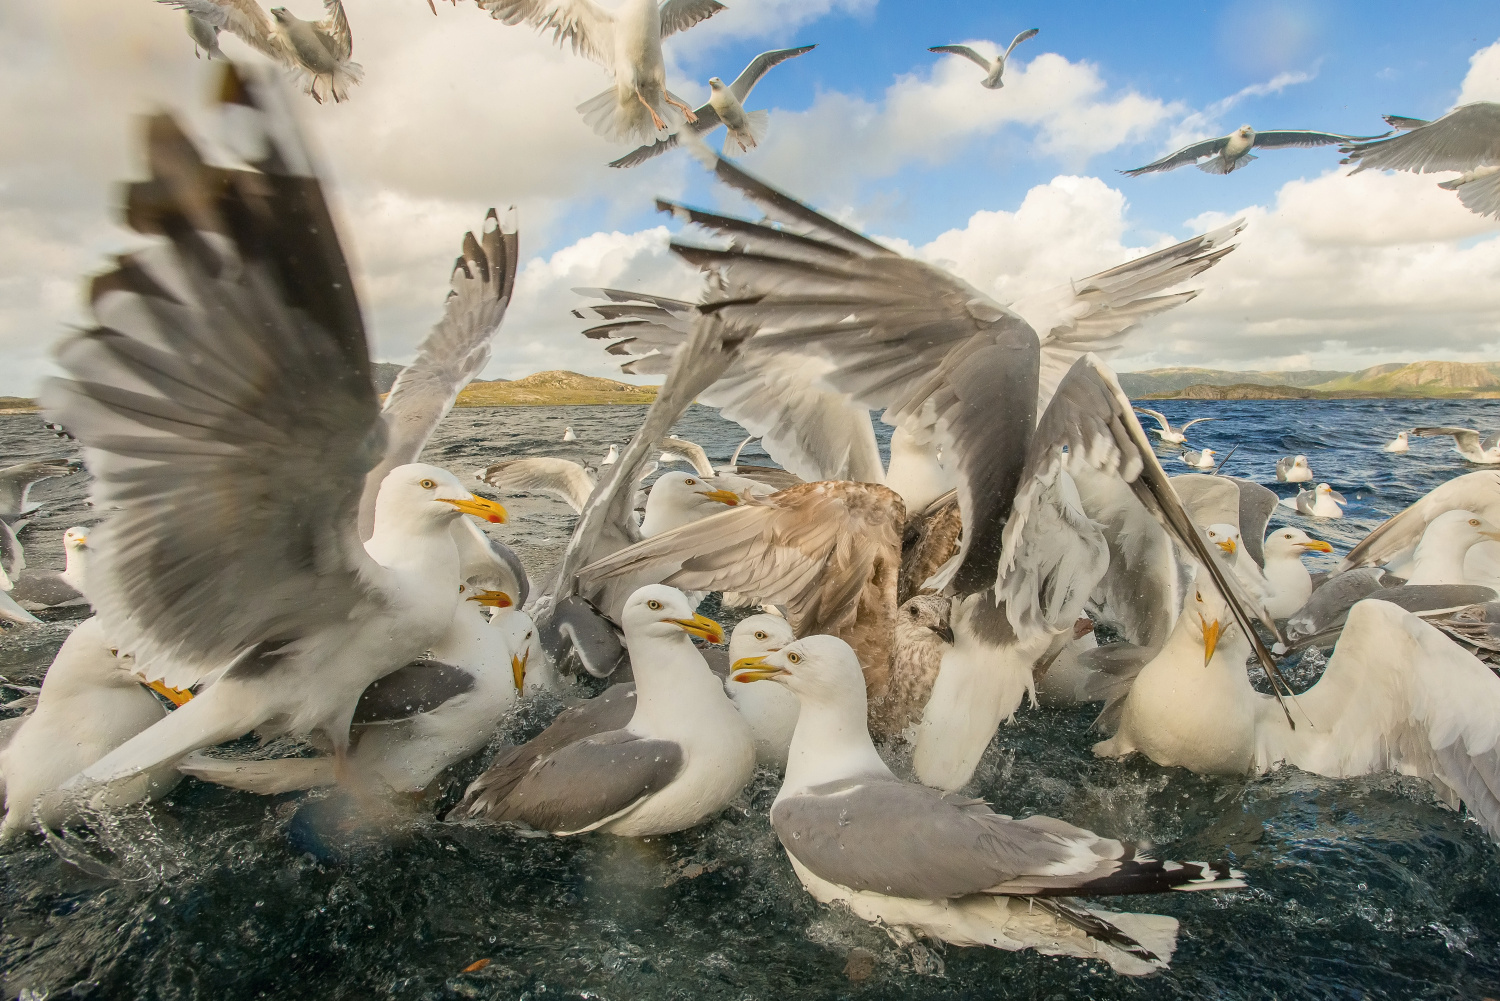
[1017, 190]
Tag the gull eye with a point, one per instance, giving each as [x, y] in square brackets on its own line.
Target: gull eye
[794, 658]
[460, 589]
[1474, 522]
[427, 484]
[760, 634]
[690, 481]
[654, 605]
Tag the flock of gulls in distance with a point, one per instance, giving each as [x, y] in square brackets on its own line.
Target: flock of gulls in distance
[273, 559]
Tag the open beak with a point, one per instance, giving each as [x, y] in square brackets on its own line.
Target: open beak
[748, 669]
[1227, 545]
[1316, 546]
[722, 496]
[479, 507]
[1211, 632]
[176, 696]
[518, 668]
[702, 627]
[492, 599]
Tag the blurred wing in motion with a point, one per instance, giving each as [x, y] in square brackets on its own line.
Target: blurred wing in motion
[567, 481]
[1463, 139]
[582, 24]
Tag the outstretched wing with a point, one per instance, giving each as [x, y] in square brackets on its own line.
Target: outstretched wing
[680, 15]
[1463, 139]
[1477, 491]
[1480, 195]
[966, 52]
[226, 405]
[336, 27]
[1462, 437]
[1281, 138]
[244, 19]
[1028, 33]
[455, 351]
[561, 478]
[759, 67]
[811, 548]
[582, 24]
[1181, 158]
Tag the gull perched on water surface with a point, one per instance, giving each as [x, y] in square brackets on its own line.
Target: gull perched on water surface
[1467, 443]
[317, 51]
[1198, 458]
[994, 69]
[918, 861]
[1164, 429]
[36, 589]
[1466, 139]
[1400, 443]
[627, 42]
[227, 412]
[1321, 501]
[1293, 469]
[1227, 154]
[725, 107]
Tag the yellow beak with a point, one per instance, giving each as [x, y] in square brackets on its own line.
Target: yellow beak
[518, 668]
[748, 669]
[722, 496]
[1211, 632]
[479, 507]
[1227, 545]
[492, 599]
[1316, 546]
[176, 696]
[1491, 535]
[702, 627]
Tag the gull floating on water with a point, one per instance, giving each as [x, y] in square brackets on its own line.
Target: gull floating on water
[1466, 139]
[994, 69]
[36, 589]
[1198, 458]
[921, 862]
[1467, 443]
[725, 107]
[1293, 469]
[1321, 501]
[1227, 154]
[627, 42]
[568, 434]
[1164, 429]
[1400, 443]
[317, 51]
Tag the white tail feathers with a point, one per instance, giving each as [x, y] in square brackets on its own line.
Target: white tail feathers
[618, 115]
[743, 140]
[1218, 165]
[267, 778]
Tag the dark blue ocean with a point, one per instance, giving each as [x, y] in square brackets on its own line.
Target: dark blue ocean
[1359, 889]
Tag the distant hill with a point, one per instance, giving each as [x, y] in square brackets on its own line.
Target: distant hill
[1421, 378]
[1417, 380]
[384, 374]
[1170, 380]
[553, 389]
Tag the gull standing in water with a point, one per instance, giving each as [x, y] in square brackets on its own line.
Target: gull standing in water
[921, 862]
[1467, 443]
[1227, 154]
[994, 69]
[1466, 139]
[1293, 469]
[725, 107]
[1164, 429]
[36, 589]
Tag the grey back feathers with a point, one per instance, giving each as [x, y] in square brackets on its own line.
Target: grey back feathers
[419, 687]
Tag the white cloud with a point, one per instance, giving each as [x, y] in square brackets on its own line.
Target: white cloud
[1482, 83]
[1208, 123]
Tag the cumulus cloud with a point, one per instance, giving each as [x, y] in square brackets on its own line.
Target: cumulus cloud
[1482, 83]
[1208, 123]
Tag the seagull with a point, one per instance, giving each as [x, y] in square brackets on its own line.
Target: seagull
[92, 701]
[1227, 154]
[36, 589]
[1392, 542]
[16, 482]
[561, 478]
[923, 633]
[1293, 469]
[993, 69]
[1439, 556]
[1397, 695]
[236, 548]
[685, 753]
[1321, 501]
[1164, 429]
[205, 36]
[1466, 139]
[678, 498]
[725, 107]
[627, 42]
[769, 711]
[1203, 459]
[1466, 442]
[1290, 583]
[1321, 620]
[610, 457]
[568, 434]
[909, 857]
[1400, 443]
[316, 51]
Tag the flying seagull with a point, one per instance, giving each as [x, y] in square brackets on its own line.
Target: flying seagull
[993, 69]
[627, 42]
[1466, 139]
[725, 107]
[318, 51]
[1227, 154]
[1467, 443]
[1164, 429]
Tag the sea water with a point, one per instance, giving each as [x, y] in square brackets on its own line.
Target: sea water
[1362, 888]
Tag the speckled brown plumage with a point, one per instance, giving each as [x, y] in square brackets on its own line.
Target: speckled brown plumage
[929, 540]
[922, 634]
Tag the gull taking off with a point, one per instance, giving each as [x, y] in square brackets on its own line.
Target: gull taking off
[994, 69]
[1227, 154]
[1467, 443]
[1164, 429]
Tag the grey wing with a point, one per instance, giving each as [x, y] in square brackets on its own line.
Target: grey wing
[245, 19]
[680, 15]
[1322, 618]
[45, 587]
[488, 563]
[1463, 139]
[452, 353]
[1482, 197]
[12, 556]
[965, 51]
[691, 452]
[12, 612]
[1403, 123]
[1181, 158]
[1210, 500]
[708, 120]
[1196, 420]
[419, 687]
[1478, 491]
[1028, 33]
[1281, 138]
[582, 24]
[906, 840]
[226, 404]
[757, 68]
[16, 481]
[586, 783]
[336, 27]
[1161, 418]
[1257, 504]
[561, 478]
[1462, 437]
